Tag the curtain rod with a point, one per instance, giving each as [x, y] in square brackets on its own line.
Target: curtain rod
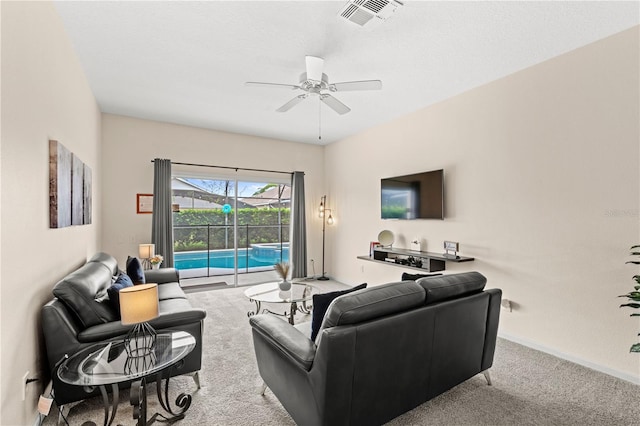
[230, 168]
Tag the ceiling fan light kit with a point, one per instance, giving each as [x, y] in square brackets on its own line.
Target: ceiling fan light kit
[368, 12]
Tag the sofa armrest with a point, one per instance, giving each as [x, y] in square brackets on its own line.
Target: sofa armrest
[60, 332]
[162, 275]
[285, 338]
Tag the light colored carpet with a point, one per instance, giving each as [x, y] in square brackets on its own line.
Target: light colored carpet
[529, 387]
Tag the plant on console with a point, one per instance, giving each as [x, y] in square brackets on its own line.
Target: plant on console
[634, 296]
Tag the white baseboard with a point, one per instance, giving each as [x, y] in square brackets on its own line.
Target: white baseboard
[592, 365]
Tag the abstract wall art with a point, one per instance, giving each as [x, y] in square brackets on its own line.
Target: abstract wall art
[69, 188]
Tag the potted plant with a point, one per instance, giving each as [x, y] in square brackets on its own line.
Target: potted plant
[156, 261]
[282, 269]
[634, 296]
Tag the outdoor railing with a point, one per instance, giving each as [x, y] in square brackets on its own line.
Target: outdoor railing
[197, 239]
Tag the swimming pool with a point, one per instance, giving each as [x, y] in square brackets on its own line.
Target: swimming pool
[255, 257]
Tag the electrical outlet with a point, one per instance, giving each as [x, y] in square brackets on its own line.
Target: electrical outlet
[24, 385]
[44, 405]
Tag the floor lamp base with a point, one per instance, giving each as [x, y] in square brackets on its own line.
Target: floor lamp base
[323, 278]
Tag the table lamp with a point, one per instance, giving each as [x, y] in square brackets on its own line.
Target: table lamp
[146, 252]
[139, 304]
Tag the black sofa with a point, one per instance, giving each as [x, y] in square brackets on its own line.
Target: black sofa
[381, 351]
[80, 315]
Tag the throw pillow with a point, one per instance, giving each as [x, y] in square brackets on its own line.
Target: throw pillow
[123, 281]
[134, 270]
[415, 277]
[321, 303]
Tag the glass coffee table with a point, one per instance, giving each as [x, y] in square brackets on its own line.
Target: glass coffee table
[107, 363]
[298, 298]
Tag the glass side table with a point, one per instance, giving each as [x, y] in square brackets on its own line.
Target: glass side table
[107, 364]
[300, 293]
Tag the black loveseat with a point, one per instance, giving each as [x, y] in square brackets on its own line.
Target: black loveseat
[80, 315]
[381, 351]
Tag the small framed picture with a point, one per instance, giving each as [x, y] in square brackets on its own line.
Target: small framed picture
[372, 246]
[144, 203]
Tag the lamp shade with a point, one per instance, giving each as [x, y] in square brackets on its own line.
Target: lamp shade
[146, 251]
[138, 303]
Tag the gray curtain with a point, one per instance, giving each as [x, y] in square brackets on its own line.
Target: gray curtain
[298, 241]
[162, 226]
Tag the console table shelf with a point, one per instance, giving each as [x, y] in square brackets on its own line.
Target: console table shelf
[422, 260]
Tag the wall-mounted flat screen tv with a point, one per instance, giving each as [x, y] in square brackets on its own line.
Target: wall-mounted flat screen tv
[416, 196]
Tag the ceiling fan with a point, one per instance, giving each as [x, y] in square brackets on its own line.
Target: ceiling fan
[315, 82]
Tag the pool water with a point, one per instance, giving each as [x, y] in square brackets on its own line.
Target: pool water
[225, 258]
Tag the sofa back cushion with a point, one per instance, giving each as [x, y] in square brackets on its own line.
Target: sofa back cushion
[107, 260]
[371, 303]
[321, 303]
[446, 287]
[84, 293]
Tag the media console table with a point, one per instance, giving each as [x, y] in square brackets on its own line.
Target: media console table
[420, 260]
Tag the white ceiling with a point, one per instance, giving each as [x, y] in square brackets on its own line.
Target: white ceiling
[186, 62]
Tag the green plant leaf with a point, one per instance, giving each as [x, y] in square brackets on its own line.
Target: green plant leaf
[635, 262]
[635, 247]
[635, 347]
[635, 253]
[631, 305]
[634, 315]
[634, 295]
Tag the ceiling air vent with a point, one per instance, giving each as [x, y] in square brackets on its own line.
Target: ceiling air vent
[364, 12]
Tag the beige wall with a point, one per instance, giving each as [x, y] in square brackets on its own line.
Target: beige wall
[44, 96]
[130, 144]
[542, 188]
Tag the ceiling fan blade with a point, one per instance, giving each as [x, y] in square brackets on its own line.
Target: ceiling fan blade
[273, 85]
[356, 85]
[293, 102]
[314, 67]
[335, 104]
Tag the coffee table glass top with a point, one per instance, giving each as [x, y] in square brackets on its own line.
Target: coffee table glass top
[107, 363]
[271, 293]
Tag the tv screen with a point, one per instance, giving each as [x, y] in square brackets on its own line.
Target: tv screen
[416, 196]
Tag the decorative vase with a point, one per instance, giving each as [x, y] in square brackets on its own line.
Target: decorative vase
[155, 266]
[284, 285]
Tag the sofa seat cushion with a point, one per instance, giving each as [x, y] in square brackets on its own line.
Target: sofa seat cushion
[453, 286]
[84, 292]
[167, 306]
[371, 303]
[168, 291]
[168, 320]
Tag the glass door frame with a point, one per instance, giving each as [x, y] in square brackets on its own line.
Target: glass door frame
[236, 180]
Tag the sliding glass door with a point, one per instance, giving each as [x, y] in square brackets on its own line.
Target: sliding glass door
[230, 230]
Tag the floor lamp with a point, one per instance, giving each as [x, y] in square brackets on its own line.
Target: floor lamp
[326, 219]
